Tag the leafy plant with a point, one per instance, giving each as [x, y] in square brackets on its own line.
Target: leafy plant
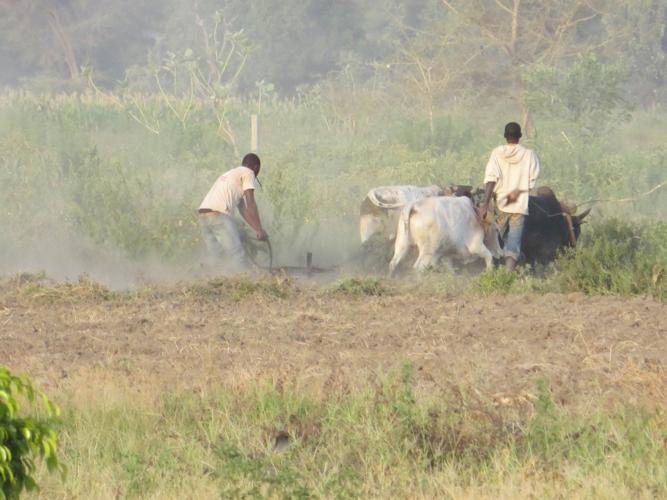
[616, 257]
[497, 280]
[22, 438]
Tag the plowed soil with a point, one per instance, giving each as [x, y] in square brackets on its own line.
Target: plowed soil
[500, 345]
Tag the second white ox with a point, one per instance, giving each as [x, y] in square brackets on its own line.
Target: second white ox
[444, 227]
[382, 207]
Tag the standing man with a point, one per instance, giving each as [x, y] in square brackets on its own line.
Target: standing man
[510, 174]
[233, 189]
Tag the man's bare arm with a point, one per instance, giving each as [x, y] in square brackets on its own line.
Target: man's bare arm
[488, 192]
[250, 213]
[484, 206]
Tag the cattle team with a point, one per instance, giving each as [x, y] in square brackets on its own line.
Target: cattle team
[507, 222]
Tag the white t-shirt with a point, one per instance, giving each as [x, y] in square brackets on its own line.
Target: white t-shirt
[512, 167]
[227, 191]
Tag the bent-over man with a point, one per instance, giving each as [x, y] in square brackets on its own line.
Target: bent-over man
[510, 174]
[233, 189]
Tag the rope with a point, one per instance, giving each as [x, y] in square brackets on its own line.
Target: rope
[268, 245]
[270, 251]
[626, 200]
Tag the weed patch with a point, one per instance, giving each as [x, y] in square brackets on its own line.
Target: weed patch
[616, 257]
[359, 287]
[238, 289]
[497, 280]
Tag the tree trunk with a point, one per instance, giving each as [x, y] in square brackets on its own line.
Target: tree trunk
[63, 39]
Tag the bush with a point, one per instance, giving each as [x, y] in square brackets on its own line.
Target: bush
[617, 257]
[23, 438]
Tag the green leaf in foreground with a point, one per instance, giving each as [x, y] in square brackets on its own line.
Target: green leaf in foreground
[22, 438]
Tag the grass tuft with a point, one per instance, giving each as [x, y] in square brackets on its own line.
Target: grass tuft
[238, 289]
[497, 280]
[360, 287]
[39, 288]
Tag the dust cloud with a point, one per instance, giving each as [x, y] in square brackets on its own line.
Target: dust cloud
[117, 116]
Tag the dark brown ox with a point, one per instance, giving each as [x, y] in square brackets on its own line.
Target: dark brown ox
[551, 227]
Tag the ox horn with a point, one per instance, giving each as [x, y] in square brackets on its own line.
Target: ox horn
[568, 207]
[583, 214]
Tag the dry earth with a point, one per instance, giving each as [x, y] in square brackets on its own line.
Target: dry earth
[500, 345]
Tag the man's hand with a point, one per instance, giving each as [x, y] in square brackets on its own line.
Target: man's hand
[514, 195]
[482, 210]
[261, 235]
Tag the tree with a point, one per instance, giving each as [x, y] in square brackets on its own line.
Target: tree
[520, 33]
[55, 39]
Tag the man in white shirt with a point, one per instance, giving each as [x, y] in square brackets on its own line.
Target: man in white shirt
[233, 189]
[510, 174]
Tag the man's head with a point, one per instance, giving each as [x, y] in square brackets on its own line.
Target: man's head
[251, 160]
[513, 133]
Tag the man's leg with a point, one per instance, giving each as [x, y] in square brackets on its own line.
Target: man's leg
[228, 236]
[213, 247]
[512, 249]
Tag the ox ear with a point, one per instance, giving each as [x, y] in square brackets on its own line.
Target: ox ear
[583, 215]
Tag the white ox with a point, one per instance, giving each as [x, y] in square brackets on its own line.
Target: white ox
[444, 226]
[382, 207]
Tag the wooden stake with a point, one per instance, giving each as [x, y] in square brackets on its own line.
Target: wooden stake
[254, 133]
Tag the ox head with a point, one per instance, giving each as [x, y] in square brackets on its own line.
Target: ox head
[573, 222]
[578, 220]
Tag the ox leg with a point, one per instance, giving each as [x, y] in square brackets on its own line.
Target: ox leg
[477, 247]
[425, 260]
[401, 248]
[488, 258]
[369, 224]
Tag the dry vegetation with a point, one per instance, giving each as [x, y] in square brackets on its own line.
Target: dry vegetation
[366, 388]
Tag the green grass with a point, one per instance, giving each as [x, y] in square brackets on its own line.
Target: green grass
[386, 439]
[617, 257]
[497, 280]
[240, 288]
[360, 287]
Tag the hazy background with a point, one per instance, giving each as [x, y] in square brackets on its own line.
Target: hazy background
[117, 115]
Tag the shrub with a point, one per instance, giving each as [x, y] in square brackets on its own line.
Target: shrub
[617, 257]
[23, 438]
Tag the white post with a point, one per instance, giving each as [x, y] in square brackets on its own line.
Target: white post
[254, 133]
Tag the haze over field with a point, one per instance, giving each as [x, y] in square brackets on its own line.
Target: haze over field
[116, 116]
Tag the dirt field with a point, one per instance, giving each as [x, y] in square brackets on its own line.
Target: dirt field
[189, 337]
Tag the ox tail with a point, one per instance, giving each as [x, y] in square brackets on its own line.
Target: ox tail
[403, 239]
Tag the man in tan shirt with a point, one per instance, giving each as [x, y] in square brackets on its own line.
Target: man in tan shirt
[233, 189]
[510, 174]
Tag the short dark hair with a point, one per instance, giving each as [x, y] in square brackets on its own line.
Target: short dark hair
[251, 160]
[513, 131]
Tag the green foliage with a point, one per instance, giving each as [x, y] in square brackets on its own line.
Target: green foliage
[249, 477]
[360, 287]
[617, 257]
[496, 280]
[23, 438]
[590, 94]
